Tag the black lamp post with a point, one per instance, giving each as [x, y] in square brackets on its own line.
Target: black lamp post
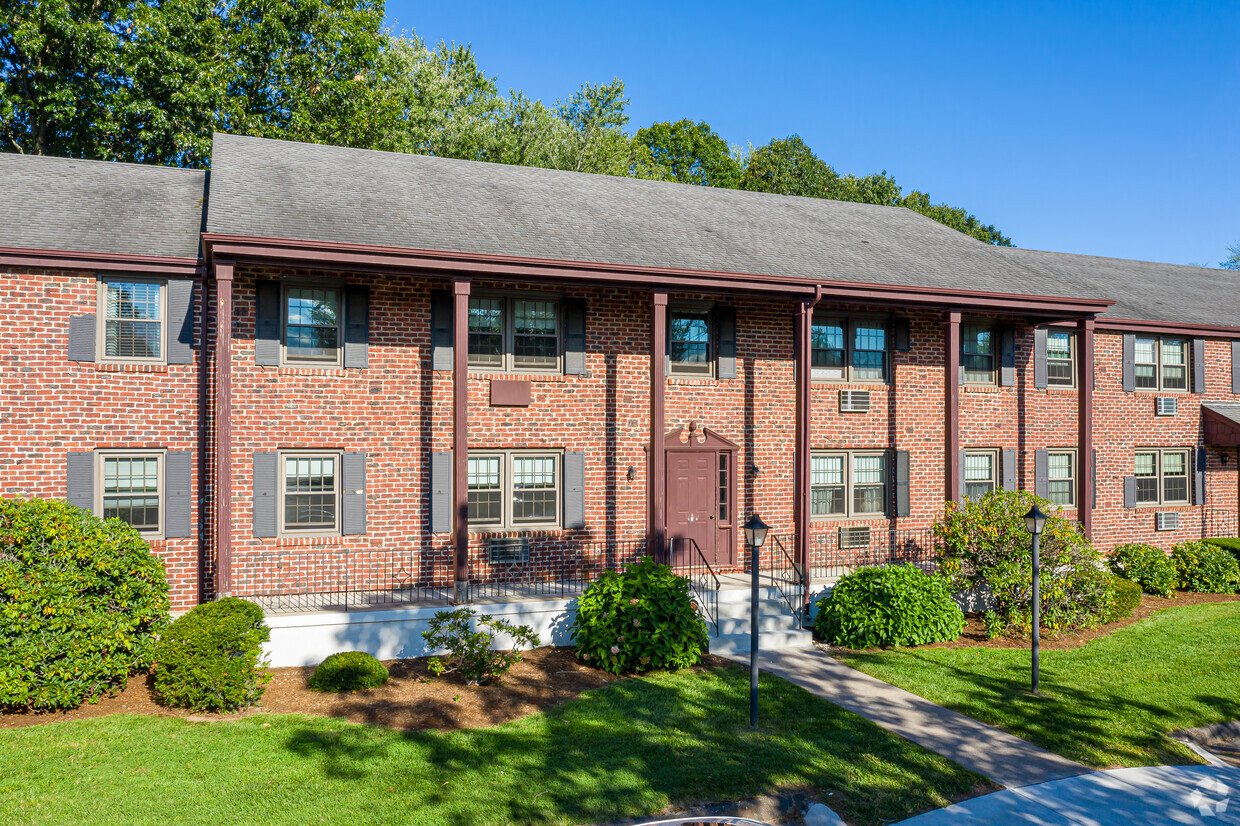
[1034, 520]
[755, 536]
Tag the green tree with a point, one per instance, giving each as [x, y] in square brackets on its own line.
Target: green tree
[788, 167]
[956, 218]
[692, 153]
[1232, 261]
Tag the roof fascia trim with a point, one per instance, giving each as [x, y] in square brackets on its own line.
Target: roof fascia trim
[1133, 325]
[105, 261]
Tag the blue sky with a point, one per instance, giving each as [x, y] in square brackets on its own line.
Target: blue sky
[1098, 128]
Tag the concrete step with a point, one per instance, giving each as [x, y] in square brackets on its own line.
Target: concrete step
[767, 622]
[738, 644]
[766, 593]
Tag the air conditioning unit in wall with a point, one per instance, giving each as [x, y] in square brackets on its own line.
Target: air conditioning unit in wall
[854, 401]
[1166, 406]
[855, 538]
[508, 550]
[1167, 521]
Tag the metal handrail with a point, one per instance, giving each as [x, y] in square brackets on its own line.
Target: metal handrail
[700, 580]
[790, 588]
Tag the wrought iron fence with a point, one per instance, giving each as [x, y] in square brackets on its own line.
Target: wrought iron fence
[343, 580]
[546, 568]
[1219, 523]
[784, 573]
[688, 561]
[835, 553]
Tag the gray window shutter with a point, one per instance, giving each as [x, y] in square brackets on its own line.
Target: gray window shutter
[1199, 477]
[441, 330]
[1235, 366]
[1130, 361]
[1039, 357]
[902, 483]
[356, 326]
[1198, 356]
[900, 335]
[1041, 473]
[266, 494]
[575, 337]
[180, 322]
[1094, 475]
[353, 500]
[80, 480]
[267, 321]
[81, 338]
[667, 365]
[1009, 469]
[1007, 363]
[441, 492]
[1130, 491]
[574, 490]
[178, 493]
[726, 325]
[962, 475]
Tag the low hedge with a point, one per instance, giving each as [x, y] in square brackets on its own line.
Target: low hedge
[1147, 566]
[893, 605]
[348, 671]
[1125, 599]
[1231, 545]
[210, 659]
[1206, 568]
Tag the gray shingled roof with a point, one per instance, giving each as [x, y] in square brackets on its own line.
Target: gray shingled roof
[95, 206]
[1143, 290]
[324, 193]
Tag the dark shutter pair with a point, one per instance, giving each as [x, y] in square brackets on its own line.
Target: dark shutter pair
[179, 296]
[1197, 462]
[574, 333]
[574, 487]
[269, 322]
[266, 507]
[1197, 360]
[178, 487]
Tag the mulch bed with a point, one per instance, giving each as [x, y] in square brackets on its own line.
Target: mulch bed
[412, 698]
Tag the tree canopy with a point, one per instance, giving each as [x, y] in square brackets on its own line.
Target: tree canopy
[1232, 261]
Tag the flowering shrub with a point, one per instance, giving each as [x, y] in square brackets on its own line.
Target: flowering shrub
[895, 605]
[1205, 568]
[1147, 566]
[986, 542]
[470, 641]
[639, 619]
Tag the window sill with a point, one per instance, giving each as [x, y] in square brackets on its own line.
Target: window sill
[308, 370]
[845, 384]
[703, 380]
[317, 539]
[849, 521]
[1058, 390]
[544, 378]
[984, 388]
[531, 532]
[1164, 506]
[130, 367]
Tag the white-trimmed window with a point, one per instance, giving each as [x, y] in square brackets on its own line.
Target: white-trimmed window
[513, 489]
[134, 314]
[978, 354]
[313, 316]
[1162, 477]
[1061, 477]
[1160, 363]
[510, 334]
[130, 488]
[310, 492]
[849, 349]
[848, 484]
[981, 473]
[691, 343]
[1060, 358]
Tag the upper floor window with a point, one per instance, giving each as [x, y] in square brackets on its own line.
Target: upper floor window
[514, 489]
[977, 354]
[848, 484]
[1060, 358]
[312, 322]
[691, 343]
[1162, 477]
[310, 493]
[981, 473]
[849, 349]
[133, 312]
[521, 335]
[130, 490]
[1160, 363]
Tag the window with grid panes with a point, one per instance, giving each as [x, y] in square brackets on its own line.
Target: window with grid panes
[1160, 363]
[514, 334]
[1060, 358]
[1162, 477]
[848, 484]
[848, 349]
[980, 473]
[133, 320]
[312, 319]
[310, 492]
[977, 354]
[514, 489]
[1061, 478]
[690, 344]
[130, 490]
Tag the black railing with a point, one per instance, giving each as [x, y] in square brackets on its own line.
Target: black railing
[785, 574]
[689, 562]
[552, 568]
[835, 553]
[1219, 523]
[342, 580]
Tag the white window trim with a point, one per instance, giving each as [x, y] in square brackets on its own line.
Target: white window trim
[1072, 467]
[995, 482]
[304, 361]
[508, 327]
[1071, 384]
[507, 524]
[102, 455]
[1160, 476]
[101, 331]
[676, 368]
[1158, 367]
[996, 354]
[850, 513]
[849, 322]
[282, 455]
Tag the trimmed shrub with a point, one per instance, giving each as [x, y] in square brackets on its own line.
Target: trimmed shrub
[639, 619]
[1231, 545]
[80, 602]
[1147, 566]
[470, 640]
[1126, 598]
[348, 671]
[895, 605]
[985, 542]
[1205, 568]
[210, 658]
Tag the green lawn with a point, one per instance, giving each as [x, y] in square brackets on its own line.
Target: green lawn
[626, 749]
[1108, 703]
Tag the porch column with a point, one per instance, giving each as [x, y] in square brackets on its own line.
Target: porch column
[951, 404]
[1085, 424]
[801, 456]
[223, 429]
[460, 435]
[656, 474]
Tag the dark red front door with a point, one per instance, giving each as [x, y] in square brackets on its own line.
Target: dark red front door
[692, 503]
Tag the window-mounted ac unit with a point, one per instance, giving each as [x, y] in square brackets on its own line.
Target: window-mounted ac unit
[1166, 406]
[1167, 521]
[508, 550]
[855, 538]
[854, 401]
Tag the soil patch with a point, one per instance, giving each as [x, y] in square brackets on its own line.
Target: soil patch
[412, 698]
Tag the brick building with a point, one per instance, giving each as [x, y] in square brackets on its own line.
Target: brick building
[318, 370]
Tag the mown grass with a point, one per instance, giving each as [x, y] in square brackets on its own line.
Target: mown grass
[1109, 703]
[627, 749]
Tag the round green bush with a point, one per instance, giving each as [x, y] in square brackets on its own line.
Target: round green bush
[1231, 545]
[894, 605]
[209, 659]
[639, 619]
[1127, 596]
[80, 602]
[348, 671]
[1147, 566]
[1205, 568]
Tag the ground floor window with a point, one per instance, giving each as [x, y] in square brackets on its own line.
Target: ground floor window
[131, 490]
[848, 484]
[1162, 477]
[1061, 477]
[311, 492]
[514, 489]
[981, 469]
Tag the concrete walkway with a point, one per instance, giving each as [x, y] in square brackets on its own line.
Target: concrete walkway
[1005, 759]
[1124, 797]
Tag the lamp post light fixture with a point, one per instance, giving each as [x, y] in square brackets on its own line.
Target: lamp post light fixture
[755, 537]
[1034, 521]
